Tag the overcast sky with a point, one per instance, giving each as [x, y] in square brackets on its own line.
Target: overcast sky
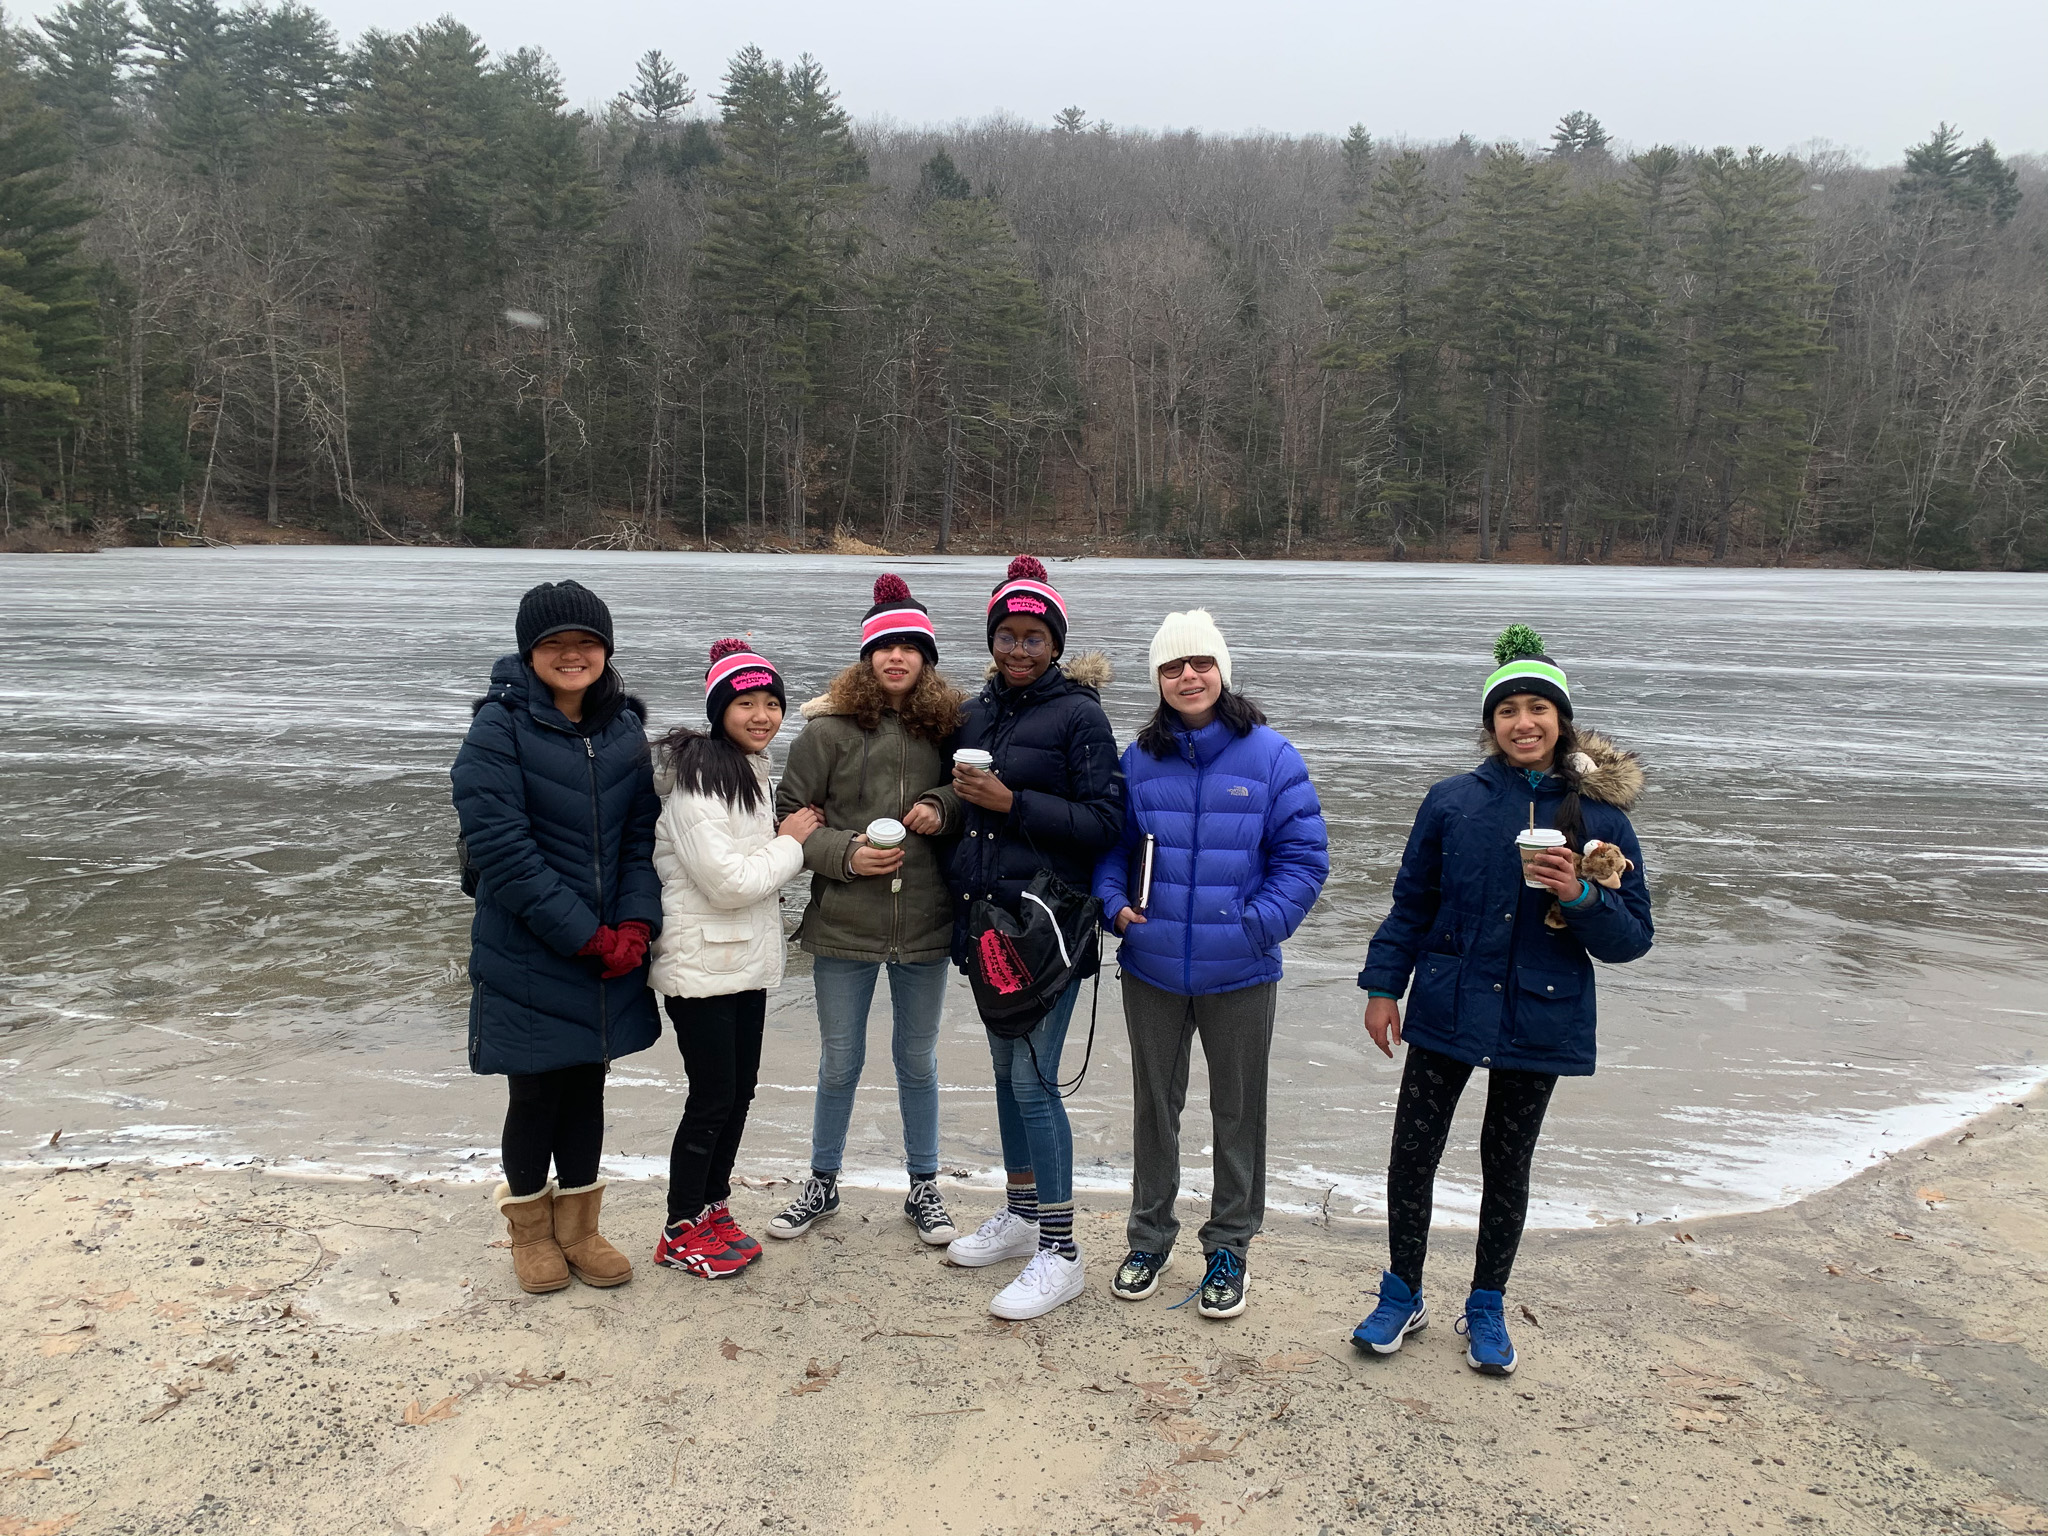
[1870, 76]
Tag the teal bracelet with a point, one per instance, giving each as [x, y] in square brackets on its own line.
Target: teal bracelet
[1387, 995]
[1586, 890]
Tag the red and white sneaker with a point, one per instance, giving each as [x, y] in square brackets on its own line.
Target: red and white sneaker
[720, 1216]
[699, 1248]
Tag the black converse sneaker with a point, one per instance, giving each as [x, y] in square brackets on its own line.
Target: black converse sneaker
[818, 1199]
[924, 1210]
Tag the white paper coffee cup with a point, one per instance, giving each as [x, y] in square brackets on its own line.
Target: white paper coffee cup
[974, 757]
[1534, 840]
[886, 832]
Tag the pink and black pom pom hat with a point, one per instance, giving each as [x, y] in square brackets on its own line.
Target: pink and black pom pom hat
[1026, 592]
[737, 668]
[898, 619]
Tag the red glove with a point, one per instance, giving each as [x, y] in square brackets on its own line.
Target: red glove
[629, 950]
[601, 945]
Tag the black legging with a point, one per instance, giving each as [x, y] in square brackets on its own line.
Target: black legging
[721, 1042]
[554, 1116]
[1515, 1102]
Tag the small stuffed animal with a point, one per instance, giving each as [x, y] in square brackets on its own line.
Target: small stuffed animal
[1601, 863]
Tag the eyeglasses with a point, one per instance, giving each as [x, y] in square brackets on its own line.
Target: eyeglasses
[1030, 645]
[1202, 664]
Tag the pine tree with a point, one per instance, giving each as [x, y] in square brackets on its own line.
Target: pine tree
[1751, 330]
[1578, 135]
[781, 233]
[1499, 271]
[1388, 316]
[49, 333]
[81, 52]
[939, 180]
[1358, 153]
[660, 90]
[1069, 120]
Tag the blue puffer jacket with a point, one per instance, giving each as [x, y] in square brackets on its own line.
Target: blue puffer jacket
[1054, 748]
[559, 819]
[1494, 986]
[1242, 855]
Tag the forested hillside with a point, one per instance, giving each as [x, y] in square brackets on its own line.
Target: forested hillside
[401, 290]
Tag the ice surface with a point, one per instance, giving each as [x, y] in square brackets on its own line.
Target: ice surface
[230, 927]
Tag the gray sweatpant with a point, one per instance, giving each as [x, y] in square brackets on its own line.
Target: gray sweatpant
[1237, 1041]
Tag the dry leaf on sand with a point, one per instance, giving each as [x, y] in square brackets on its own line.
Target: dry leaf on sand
[1295, 1360]
[1186, 1431]
[225, 1364]
[28, 1474]
[816, 1378]
[442, 1411]
[14, 1525]
[178, 1391]
[1188, 1518]
[1534, 1321]
[69, 1342]
[60, 1445]
[522, 1524]
[733, 1351]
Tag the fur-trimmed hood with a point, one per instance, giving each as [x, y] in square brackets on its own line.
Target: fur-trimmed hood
[1612, 774]
[1090, 669]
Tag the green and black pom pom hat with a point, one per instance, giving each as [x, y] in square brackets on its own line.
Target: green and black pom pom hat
[1522, 667]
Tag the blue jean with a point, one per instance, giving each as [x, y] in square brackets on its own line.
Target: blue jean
[917, 995]
[1029, 1111]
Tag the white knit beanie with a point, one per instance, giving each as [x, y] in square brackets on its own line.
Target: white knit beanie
[1192, 633]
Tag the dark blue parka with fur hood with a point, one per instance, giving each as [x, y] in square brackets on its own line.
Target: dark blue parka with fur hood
[1494, 986]
[559, 820]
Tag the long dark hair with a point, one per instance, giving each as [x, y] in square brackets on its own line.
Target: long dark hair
[1571, 819]
[711, 763]
[1233, 709]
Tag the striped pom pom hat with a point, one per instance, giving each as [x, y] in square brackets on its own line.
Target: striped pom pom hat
[1025, 592]
[737, 668]
[898, 619]
[1522, 667]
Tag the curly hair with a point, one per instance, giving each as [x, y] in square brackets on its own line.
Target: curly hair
[931, 712]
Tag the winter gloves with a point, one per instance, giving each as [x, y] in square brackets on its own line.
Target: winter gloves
[621, 950]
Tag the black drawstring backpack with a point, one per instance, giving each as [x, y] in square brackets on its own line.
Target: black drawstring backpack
[1020, 966]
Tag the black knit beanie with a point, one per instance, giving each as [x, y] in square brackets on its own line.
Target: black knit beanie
[737, 668]
[897, 619]
[555, 606]
[1520, 666]
[1025, 592]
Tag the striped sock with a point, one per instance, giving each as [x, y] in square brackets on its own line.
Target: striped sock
[1056, 1229]
[1024, 1202]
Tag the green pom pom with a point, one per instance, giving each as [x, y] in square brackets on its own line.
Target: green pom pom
[1515, 642]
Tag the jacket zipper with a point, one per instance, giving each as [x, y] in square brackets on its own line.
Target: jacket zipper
[1187, 949]
[604, 1020]
[896, 895]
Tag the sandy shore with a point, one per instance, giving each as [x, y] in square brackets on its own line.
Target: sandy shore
[195, 1351]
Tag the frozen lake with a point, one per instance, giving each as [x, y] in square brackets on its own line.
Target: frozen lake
[230, 926]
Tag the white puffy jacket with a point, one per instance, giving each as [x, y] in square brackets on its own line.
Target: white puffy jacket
[721, 868]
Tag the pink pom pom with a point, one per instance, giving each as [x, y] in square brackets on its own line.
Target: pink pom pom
[1027, 568]
[720, 649]
[891, 589]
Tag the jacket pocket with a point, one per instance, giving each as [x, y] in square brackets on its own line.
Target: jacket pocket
[1434, 992]
[476, 1026]
[1550, 1012]
[724, 946]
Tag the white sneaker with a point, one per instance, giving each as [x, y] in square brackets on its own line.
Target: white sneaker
[1005, 1235]
[1048, 1281]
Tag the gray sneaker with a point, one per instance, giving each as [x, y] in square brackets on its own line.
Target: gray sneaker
[926, 1211]
[818, 1199]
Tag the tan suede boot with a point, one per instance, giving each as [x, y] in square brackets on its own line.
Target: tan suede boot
[591, 1259]
[536, 1257]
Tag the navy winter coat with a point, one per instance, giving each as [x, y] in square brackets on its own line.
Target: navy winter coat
[1242, 855]
[559, 819]
[1053, 747]
[1494, 987]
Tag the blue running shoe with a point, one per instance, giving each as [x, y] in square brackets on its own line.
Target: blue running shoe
[1489, 1350]
[1400, 1313]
